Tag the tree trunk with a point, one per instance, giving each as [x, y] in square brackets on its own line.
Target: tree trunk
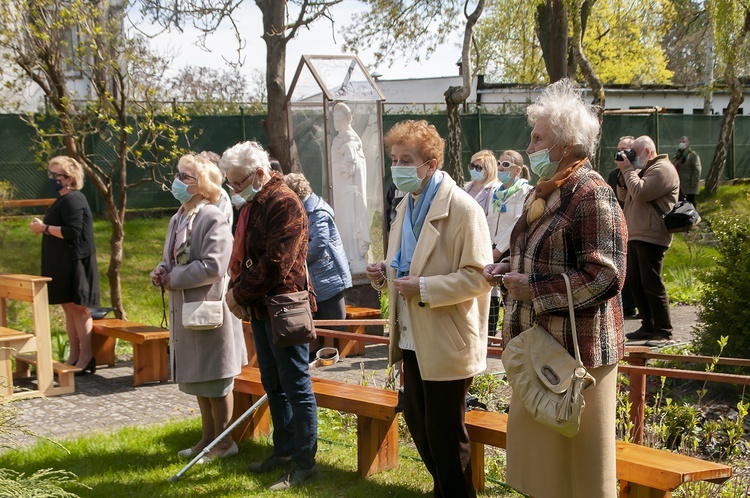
[552, 32]
[274, 17]
[578, 18]
[454, 138]
[725, 135]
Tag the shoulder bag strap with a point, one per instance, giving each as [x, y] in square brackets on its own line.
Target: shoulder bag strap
[572, 318]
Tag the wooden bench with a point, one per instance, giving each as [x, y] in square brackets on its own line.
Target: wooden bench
[643, 472]
[35, 346]
[377, 426]
[20, 203]
[150, 363]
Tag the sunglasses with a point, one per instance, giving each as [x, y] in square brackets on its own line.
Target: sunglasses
[183, 176]
[477, 167]
[505, 164]
[55, 176]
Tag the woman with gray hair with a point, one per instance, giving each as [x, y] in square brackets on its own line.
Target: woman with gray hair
[270, 247]
[572, 224]
[194, 268]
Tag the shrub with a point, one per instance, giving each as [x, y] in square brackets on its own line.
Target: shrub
[726, 285]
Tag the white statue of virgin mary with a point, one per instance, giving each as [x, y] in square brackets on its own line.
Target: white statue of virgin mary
[349, 188]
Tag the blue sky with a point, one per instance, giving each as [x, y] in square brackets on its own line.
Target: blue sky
[322, 38]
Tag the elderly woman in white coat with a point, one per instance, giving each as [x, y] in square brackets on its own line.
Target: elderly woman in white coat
[506, 205]
[194, 268]
[438, 299]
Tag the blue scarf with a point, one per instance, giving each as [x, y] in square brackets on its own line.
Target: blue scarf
[413, 222]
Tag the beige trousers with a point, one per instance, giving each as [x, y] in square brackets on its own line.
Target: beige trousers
[545, 464]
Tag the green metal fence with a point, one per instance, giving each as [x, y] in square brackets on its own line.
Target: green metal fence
[480, 131]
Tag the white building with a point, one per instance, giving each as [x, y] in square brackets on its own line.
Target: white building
[421, 95]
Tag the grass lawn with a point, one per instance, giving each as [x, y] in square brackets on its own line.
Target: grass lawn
[137, 461]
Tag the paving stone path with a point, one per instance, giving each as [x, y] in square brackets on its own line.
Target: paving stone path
[107, 399]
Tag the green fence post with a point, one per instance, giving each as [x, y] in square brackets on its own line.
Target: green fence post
[656, 127]
[479, 126]
[242, 117]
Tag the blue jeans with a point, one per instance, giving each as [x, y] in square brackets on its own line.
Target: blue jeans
[285, 375]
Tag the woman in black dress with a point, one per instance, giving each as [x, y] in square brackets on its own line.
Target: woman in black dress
[69, 257]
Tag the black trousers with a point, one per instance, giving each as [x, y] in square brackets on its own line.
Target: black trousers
[645, 261]
[434, 412]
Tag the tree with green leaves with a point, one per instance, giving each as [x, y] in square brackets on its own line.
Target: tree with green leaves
[730, 26]
[101, 109]
[280, 26]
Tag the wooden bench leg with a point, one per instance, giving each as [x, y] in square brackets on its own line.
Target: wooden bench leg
[632, 490]
[150, 362]
[352, 348]
[6, 373]
[257, 424]
[377, 445]
[103, 348]
[477, 466]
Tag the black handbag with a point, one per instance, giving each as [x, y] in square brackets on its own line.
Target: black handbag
[681, 218]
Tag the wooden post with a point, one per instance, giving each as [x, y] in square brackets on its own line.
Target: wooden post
[637, 398]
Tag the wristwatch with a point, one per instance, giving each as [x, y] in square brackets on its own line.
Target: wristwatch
[46, 229]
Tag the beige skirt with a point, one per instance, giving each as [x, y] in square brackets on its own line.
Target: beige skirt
[545, 464]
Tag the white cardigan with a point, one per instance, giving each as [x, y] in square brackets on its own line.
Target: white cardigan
[501, 224]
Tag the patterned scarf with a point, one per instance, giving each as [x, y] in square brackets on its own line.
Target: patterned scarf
[545, 187]
[501, 195]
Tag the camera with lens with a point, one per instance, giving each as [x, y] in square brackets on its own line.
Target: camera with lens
[620, 155]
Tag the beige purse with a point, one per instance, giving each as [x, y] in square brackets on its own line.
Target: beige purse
[547, 380]
[203, 315]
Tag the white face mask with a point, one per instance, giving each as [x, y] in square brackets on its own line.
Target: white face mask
[681, 146]
[237, 201]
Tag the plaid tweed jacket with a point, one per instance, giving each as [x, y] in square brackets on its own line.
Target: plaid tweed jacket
[582, 232]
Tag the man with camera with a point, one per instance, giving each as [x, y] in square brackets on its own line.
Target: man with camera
[688, 164]
[647, 178]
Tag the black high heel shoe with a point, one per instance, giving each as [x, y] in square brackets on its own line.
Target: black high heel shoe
[90, 367]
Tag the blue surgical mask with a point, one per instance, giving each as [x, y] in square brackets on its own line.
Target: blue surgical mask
[250, 192]
[477, 176]
[405, 177]
[237, 201]
[503, 176]
[179, 191]
[541, 165]
[56, 184]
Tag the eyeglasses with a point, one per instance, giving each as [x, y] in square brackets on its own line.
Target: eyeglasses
[183, 176]
[505, 164]
[477, 167]
[238, 185]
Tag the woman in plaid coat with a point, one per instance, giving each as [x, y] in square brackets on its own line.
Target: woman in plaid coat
[572, 224]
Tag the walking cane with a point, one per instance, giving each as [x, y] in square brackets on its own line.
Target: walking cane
[221, 436]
